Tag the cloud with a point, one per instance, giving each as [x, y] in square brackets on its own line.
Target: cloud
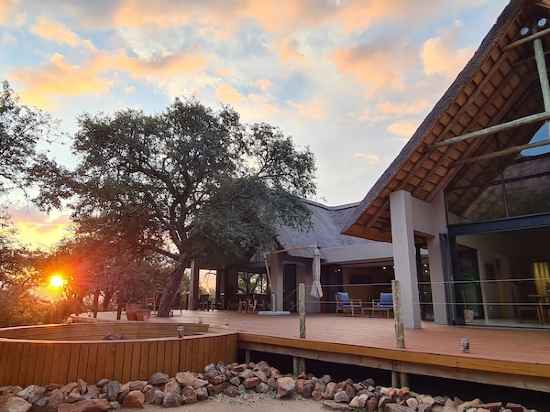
[44, 85]
[403, 129]
[403, 108]
[59, 33]
[441, 56]
[375, 65]
[228, 94]
[370, 158]
[263, 84]
[314, 109]
[6, 9]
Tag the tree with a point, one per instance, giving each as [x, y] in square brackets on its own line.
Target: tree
[21, 128]
[186, 183]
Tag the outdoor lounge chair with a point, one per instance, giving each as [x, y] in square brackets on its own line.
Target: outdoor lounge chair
[346, 305]
[385, 304]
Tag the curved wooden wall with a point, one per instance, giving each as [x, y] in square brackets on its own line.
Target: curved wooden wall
[39, 356]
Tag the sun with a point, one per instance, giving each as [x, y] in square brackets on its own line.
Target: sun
[57, 281]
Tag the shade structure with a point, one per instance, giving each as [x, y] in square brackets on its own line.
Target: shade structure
[316, 290]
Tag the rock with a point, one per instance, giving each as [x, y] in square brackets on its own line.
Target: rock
[185, 378]
[202, 394]
[74, 396]
[341, 397]
[359, 402]
[467, 405]
[158, 397]
[231, 391]
[350, 390]
[102, 382]
[300, 386]
[159, 378]
[251, 383]
[87, 405]
[83, 386]
[336, 406]
[285, 386]
[134, 399]
[425, 400]
[235, 381]
[188, 395]
[274, 373]
[136, 385]
[10, 403]
[171, 400]
[54, 399]
[92, 392]
[240, 368]
[262, 387]
[412, 403]
[394, 407]
[272, 382]
[491, 407]
[330, 391]
[247, 373]
[326, 379]
[172, 387]
[112, 389]
[369, 382]
[114, 405]
[515, 407]
[199, 383]
[316, 395]
[372, 405]
[10, 390]
[261, 375]
[214, 390]
[217, 380]
[308, 389]
[32, 393]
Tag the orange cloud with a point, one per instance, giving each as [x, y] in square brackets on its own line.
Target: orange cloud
[313, 109]
[403, 108]
[228, 94]
[264, 84]
[441, 56]
[6, 9]
[38, 230]
[403, 129]
[370, 158]
[44, 85]
[376, 66]
[59, 33]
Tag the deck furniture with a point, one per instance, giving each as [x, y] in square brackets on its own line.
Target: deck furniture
[344, 304]
[204, 302]
[384, 304]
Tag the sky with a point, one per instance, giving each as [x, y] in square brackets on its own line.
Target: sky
[350, 79]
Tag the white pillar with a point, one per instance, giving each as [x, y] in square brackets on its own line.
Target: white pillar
[404, 256]
[193, 303]
[276, 272]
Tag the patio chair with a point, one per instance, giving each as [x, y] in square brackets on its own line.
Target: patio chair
[204, 302]
[385, 304]
[346, 305]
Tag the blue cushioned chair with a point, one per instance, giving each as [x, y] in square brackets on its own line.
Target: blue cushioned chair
[385, 304]
[346, 305]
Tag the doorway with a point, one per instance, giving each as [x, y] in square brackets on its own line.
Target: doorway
[289, 288]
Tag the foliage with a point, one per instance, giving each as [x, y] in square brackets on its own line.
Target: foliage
[252, 283]
[186, 183]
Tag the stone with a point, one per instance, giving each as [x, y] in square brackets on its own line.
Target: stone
[412, 403]
[231, 391]
[199, 383]
[341, 397]
[330, 391]
[262, 387]
[202, 394]
[137, 385]
[214, 390]
[114, 405]
[185, 378]
[426, 400]
[300, 386]
[217, 380]
[171, 400]
[32, 393]
[158, 378]
[285, 387]
[83, 386]
[463, 407]
[74, 396]
[359, 402]
[261, 375]
[274, 373]
[158, 397]
[350, 390]
[308, 389]
[112, 389]
[10, 403]
[240, 368]
[247, 373]
[394, 407]
[372, 405]
[172, 387]
[68, 388]
[87, 405]
[10, 390]
[54, 399]
[134, 399]
[188, 395]
[336, 406]
[369, 382]
[102, 382]
[272, 382]
[491, 407]
[326, 379]
[316, 395]
[515, 407]
[92, 392]
[252, 382]
[235, 381]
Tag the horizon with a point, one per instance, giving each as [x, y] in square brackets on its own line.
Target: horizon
[350, 79]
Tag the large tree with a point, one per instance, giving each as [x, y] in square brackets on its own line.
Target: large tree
[185, 183]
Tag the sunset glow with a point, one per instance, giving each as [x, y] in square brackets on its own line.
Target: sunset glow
[57, 281]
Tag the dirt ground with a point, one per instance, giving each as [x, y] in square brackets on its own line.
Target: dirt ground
[225, 404]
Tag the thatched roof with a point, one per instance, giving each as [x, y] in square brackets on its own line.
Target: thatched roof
[496, 86]
[326, 226]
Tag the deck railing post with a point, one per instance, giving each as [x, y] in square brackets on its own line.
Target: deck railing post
[302, 309]
[398, 322]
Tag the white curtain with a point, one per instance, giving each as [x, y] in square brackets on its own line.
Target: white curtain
[316, 290]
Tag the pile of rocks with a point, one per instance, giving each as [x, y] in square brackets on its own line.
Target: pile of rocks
[231, 380]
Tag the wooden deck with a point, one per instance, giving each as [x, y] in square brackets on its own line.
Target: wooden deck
[520, 358]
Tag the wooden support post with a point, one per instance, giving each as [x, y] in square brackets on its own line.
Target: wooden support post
[543, 73]
[403, 379]
[302, 309]
[395, 379]
[298, 365]
[193, 303]
[504, 152]
[398, 323]
[247, 356]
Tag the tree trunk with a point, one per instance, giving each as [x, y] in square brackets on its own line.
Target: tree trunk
[107, 297]
[171, 290]
[96, 303]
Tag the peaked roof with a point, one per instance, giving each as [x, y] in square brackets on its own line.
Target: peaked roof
[327, 223]
[497, 85]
